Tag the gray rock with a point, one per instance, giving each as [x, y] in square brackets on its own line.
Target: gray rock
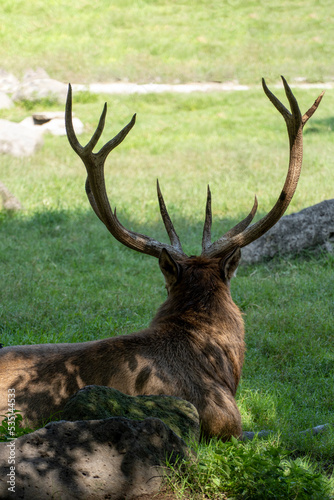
[38, 85]
[310, 228]
[98, 402]
[5, 101]
[115, 458]
[18, 139]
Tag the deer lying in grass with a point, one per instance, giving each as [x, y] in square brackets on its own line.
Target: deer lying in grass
[194, 346]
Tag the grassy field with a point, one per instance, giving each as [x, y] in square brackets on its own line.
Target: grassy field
[159, 40]
[64, 279]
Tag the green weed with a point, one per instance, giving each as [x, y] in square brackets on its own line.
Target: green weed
[11, 428]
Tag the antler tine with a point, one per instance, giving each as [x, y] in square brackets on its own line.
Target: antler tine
[115, 141]
[96, 189]
[313, 108]
[206, 239]
[294, 122]
[238, 228]
[78, 148]
[277, 103]
[99, 129]
[241, 226]
[174, 239]
[72, 138]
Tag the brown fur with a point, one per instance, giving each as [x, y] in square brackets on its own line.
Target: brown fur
[193, 349]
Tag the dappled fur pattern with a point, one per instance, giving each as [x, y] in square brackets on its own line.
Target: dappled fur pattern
[193, 349]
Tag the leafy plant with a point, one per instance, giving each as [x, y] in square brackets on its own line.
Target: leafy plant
[11, 428]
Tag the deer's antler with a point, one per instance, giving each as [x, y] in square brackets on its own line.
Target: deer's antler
[96, 189]
[242, 234]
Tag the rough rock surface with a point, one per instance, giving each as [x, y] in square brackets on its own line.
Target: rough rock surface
[308, 229]
[116, 459]
[98, 402]
[18, 139]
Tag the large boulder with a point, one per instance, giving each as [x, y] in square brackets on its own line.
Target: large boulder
[98, 402]
[114, 458]
[311, 228]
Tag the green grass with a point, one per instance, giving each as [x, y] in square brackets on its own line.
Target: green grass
[64, 279]
[168, 41]
[259, 470]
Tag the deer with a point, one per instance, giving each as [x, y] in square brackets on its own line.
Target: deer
[194, 346]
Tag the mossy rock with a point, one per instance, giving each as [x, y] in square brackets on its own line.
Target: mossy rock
[95, 402]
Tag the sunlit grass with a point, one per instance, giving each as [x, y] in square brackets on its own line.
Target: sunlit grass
[145, 40]
[258, 470]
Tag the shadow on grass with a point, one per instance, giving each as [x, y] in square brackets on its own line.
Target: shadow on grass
[65, 279]
[318, 126]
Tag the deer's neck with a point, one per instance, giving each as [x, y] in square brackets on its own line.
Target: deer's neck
[212, 316]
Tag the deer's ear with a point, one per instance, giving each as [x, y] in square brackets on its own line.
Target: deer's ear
[169, 268]
[229, 264]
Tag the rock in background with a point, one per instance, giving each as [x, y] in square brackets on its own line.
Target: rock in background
[114, 458]
[312, 227]
[18, 139]
[98, 402]
[52, 122]
[24, 138]
[38, 85]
